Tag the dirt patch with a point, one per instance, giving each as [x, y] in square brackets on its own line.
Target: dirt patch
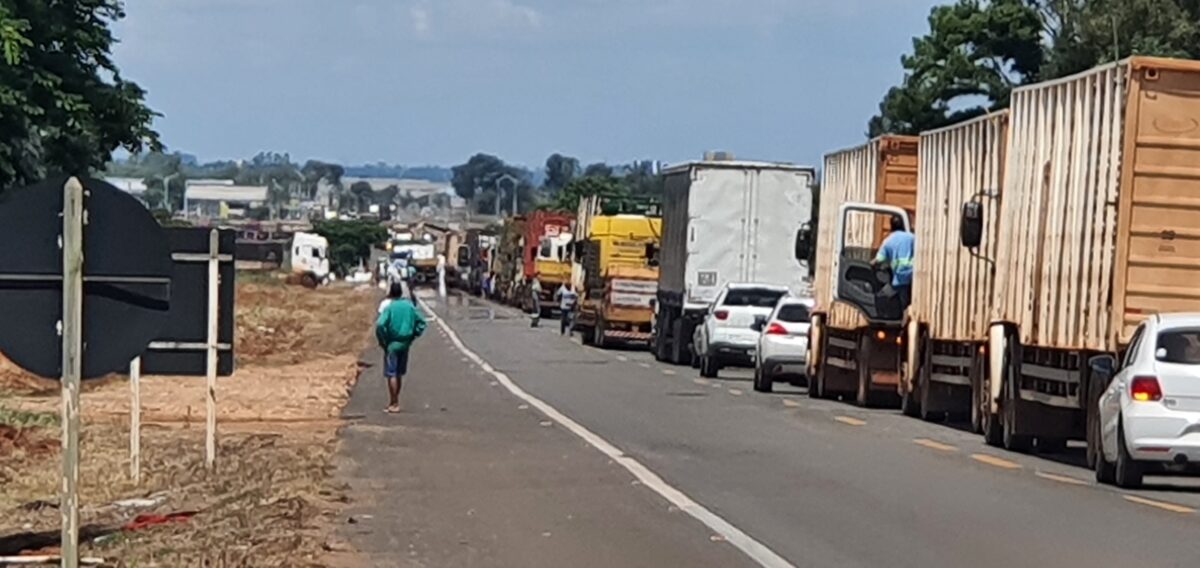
[270, 500]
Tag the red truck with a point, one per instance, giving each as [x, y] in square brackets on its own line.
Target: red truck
[546, 248]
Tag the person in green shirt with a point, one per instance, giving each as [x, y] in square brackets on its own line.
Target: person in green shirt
[398, 325]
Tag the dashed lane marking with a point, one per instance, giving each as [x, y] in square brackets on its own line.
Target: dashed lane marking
[622, 358]
[700, 382]
[755, 550]
[1160, 505]
[935, 445]
[735, 392]
[791, 403]
[644, 365]
[670, 372]
[1060, 478]
[995, 461]
[850, 421]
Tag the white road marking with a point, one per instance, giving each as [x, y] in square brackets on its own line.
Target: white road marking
[622, 358]
[1160, 505]
[668, 372]
[791, 403]
[735, 392]
[645, 365]
[1060, 478]
[757, 551]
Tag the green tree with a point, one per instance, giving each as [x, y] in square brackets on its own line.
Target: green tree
[598, 170]
[560, 170]
[350, 242]
[976, 51]
[608, 187]
[361, 194]
[475, 181]
[642, 181]
[64, 105]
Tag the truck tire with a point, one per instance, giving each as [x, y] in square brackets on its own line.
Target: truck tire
[1013, 441]
[816, 382]
[587, 335]
[661, 341]
[863, 398]
[308, 281]
[680, 352]
[598, 333]
[1128, 473]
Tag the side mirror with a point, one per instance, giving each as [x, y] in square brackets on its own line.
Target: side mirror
[804, 243]
[970, 232]
[1104, 365]
[760, 322]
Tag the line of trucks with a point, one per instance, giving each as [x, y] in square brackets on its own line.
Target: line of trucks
[1045, 233]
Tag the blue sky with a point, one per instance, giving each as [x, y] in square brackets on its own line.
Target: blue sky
[433, 81]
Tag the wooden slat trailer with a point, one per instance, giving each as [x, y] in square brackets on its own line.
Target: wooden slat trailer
[850, 354]
[1099, 227]
[952, 285]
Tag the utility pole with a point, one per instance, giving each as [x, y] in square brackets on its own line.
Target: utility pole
[515, 184]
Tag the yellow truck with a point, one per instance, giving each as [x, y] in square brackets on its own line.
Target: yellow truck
[615, 274]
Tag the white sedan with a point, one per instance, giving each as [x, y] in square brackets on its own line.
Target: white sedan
[1149, 416]
[782, 342]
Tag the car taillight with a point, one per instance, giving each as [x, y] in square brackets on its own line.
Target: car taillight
[721, 315]
[776, 329]
[1145, 389]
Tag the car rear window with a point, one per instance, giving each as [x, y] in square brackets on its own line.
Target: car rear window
[1179, 346]
[793, 313]
[753, 298]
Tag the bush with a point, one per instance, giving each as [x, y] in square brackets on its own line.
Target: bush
[350, 242]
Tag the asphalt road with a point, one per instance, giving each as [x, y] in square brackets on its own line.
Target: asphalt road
[820, 483]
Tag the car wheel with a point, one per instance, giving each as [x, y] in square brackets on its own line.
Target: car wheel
[1128, 474]
[762, 380]
[1106, 471]
[708, 369]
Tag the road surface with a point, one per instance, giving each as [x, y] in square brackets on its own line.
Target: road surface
[812, 483]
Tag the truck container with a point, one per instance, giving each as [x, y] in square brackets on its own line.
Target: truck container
[952, 286]
[849, 353]
[1100, 225]
[726, 221]
[508, 262]
[612, 271]
[546, 246]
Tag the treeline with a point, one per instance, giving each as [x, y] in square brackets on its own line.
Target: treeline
[484, 178]
[977, 51]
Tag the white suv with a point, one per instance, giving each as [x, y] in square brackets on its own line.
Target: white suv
[727, 336]
[783, 342]
[1149, 415]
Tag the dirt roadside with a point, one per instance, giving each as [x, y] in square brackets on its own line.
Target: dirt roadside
[271, 501]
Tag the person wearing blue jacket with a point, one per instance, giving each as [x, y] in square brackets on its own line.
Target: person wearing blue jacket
[398, 325]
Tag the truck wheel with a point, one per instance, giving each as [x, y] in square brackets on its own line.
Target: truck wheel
[308, 281]
[1012, 440]
[863, 398]
[586, 335]
[1128, 474]
[909, 405]
[977, 398]
[680, 355]
[661, 345]
[598, 333]
[762, 380]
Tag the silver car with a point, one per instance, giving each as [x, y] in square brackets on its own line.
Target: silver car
[1149, 415]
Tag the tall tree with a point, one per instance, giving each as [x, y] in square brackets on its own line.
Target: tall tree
[598, 169]
[560, 170]
[478, 176]
[64, 105]
[609, 187]
[361, 194]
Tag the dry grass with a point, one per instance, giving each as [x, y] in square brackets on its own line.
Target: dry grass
[271, 498]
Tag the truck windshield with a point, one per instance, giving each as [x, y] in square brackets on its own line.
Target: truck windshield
[1181, 346]
[793, 313]
[753, 297]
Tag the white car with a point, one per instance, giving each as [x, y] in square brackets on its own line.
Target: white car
[727, 336]
[1149, 416]
[782, 342]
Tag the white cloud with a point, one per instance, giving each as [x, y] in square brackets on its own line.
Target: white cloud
[422, 19]
[475, 18]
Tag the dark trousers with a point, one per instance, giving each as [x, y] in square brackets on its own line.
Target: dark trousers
[905, 295]
[568, 321]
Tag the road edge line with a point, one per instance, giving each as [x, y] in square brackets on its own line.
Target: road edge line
[757, 551]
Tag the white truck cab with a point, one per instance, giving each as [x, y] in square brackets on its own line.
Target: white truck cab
[310, 258]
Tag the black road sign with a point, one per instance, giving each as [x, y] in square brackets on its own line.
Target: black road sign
[180, 349]
[126, 273]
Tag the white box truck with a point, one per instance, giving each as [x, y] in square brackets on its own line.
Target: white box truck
[726, 221]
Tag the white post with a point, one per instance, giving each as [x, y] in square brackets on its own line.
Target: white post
[72, 365]
[135, 420]
[214, 285]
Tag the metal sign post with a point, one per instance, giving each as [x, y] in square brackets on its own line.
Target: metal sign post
[72, 364]
[214, 286]
[135, 421]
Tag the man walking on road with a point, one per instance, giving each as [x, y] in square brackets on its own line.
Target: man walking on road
[398, 325]
[896, 253]
[568, 299]
[535, 290]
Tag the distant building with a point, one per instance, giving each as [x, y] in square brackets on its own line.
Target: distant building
[222, 201]
[133, 186]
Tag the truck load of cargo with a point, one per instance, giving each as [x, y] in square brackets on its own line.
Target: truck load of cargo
[508, 261]
[855, 337]
[1100, 224]
[962, 166]
[726, 221]
[546, 246]
[614, 272]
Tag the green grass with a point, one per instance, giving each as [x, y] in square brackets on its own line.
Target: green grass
[21, 419]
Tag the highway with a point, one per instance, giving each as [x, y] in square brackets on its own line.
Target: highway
[811, 483]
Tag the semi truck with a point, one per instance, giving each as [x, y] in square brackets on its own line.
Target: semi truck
[614, 271]
[546, 248]
[961, 165]
[1099, 215]
[508, 262]
[726, 221]
[855, 337]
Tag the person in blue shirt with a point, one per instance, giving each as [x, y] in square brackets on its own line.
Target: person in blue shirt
[896, 253]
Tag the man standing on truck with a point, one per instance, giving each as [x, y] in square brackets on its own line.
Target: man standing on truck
[896, 253]
[568, 299]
